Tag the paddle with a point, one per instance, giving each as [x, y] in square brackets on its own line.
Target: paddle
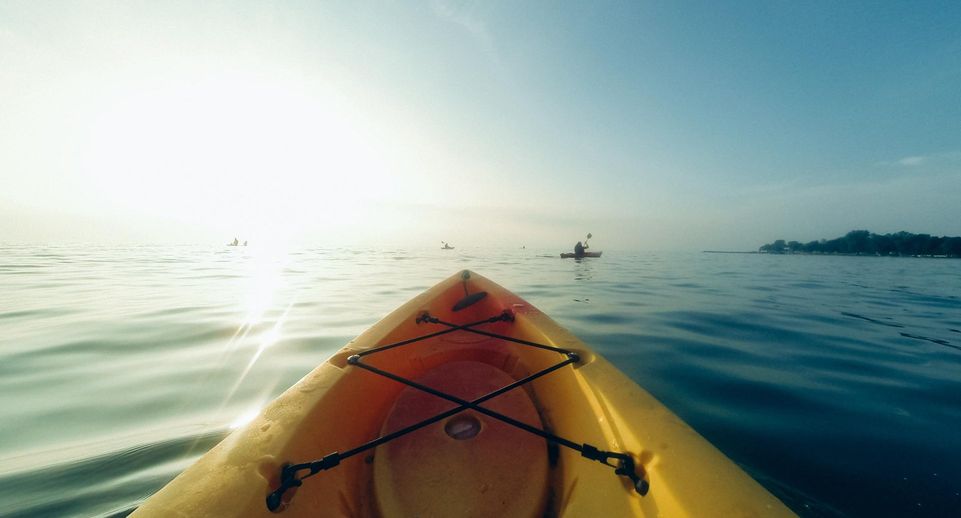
[588, 237]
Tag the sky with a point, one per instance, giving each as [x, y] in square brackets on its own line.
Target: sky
[652, 125]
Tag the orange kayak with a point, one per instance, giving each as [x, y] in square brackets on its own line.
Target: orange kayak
[465, 401]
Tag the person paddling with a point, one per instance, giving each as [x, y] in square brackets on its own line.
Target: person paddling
[578, 250]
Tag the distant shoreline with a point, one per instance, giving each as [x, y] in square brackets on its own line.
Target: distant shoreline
[830, 254]
[866, 243]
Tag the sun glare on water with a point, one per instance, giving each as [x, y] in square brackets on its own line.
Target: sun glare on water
[244, 418]
[264, 277]
[260, 326]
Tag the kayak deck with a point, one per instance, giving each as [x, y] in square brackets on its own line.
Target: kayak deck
[467, 464]
[500, 470]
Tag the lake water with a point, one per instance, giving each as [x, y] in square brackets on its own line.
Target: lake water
[834, 381]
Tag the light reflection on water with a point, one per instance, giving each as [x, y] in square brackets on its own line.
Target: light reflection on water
[833, 380]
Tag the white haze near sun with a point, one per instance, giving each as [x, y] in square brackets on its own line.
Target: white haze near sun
[262, 158]
[241, 153]
[206, 148]
[403, 125]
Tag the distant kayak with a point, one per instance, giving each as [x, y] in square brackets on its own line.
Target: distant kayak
[569, 255]
[419, 416]
[446, 248]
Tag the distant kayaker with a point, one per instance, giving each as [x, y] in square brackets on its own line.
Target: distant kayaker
[234, 242]
[578, 250]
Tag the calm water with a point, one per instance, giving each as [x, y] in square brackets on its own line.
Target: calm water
[835, 381]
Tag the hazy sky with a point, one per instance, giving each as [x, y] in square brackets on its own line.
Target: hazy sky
[653, 125]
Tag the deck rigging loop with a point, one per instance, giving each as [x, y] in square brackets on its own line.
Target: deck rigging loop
[469, 298]
[625, 465]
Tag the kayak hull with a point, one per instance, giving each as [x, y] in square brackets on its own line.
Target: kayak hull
[569, 255]
[339, 406]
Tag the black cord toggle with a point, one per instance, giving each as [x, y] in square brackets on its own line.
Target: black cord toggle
[625, 468]
[593, 453]
[327, 462]
[625, 465]
[425, 317]
[289, 479]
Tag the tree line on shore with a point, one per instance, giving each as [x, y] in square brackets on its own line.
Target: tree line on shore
[862, 242]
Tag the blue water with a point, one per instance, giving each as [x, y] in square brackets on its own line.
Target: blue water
[834, 381]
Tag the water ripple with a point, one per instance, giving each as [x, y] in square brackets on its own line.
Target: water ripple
[833, 380]
[103, 484]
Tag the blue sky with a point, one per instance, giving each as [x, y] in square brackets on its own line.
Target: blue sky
[667, 125]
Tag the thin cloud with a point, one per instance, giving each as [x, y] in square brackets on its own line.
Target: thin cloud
[911, 161]
[929, 159]
[463, 15]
